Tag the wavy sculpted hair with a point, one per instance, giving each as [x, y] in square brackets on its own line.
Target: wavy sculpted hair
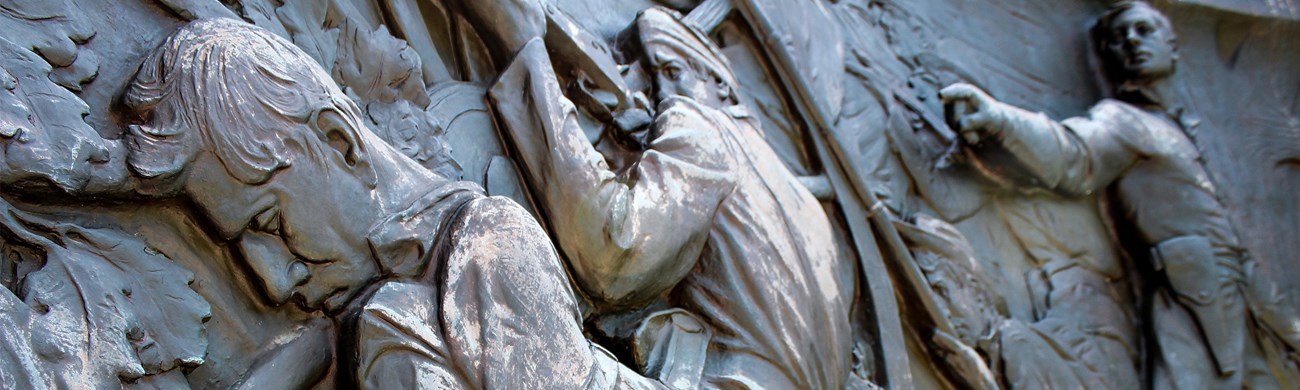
[247, 93]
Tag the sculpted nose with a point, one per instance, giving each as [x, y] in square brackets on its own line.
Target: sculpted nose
[276, 269]
[663, 88]
[663, 94]
[298, 274]
[1132, 37]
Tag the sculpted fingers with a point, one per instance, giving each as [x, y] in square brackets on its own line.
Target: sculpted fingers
[975, 126]
[955, 92]
[970, 367]
[970, 110]
[963, 93]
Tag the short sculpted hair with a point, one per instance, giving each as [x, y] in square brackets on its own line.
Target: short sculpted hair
[1101, 31]
[237, 90]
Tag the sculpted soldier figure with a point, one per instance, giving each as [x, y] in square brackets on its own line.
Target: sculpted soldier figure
[433, 284]
[1135, 148]
[706, 216]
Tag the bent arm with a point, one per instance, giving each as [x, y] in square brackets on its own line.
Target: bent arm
[627, 239]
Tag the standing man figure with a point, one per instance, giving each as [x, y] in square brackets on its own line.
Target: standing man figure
[706, 216]
[1135, 148]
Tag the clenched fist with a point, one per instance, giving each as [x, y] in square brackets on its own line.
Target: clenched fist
[972, 112]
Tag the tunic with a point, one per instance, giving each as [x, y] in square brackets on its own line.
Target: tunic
[1146, 158]
[1156, 176]
[485, 304]
[707, 216]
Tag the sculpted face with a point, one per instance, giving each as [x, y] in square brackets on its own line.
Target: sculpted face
[279, 170]
[682, 60]
[1140, 43]
[302, 233]
[674, 76]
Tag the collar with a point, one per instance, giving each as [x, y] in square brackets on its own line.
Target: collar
[404, 242]
[1139, 94]
[1148, 98]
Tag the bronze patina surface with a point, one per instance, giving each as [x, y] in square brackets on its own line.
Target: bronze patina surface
[649, 194]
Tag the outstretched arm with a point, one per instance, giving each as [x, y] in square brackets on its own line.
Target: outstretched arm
[627, 239]
[1078, 157]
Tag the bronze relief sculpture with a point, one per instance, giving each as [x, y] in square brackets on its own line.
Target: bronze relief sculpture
[702, 212]
[561, 194]
[1134, 147]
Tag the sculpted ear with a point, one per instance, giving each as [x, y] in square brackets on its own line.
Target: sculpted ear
[344, 138]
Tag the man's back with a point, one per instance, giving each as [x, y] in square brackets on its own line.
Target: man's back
[491, 280]
[769, 278]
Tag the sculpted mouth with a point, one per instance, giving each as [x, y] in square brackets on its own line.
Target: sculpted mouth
[1139, 56]
[323, 302]
[335, 300]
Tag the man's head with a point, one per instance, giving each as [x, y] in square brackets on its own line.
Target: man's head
[260, 139]
[1136, 42]
[683, 61]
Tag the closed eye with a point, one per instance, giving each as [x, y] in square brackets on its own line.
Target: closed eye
[267, 221]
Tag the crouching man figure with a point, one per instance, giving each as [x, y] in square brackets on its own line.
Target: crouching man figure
[434, 284]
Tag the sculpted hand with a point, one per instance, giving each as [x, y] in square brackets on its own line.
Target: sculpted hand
[971, 111]
[964, 361]
[299, 363]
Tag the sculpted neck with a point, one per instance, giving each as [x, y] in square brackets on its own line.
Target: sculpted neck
[400, 179]
[1152, 93]
[405, 189]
